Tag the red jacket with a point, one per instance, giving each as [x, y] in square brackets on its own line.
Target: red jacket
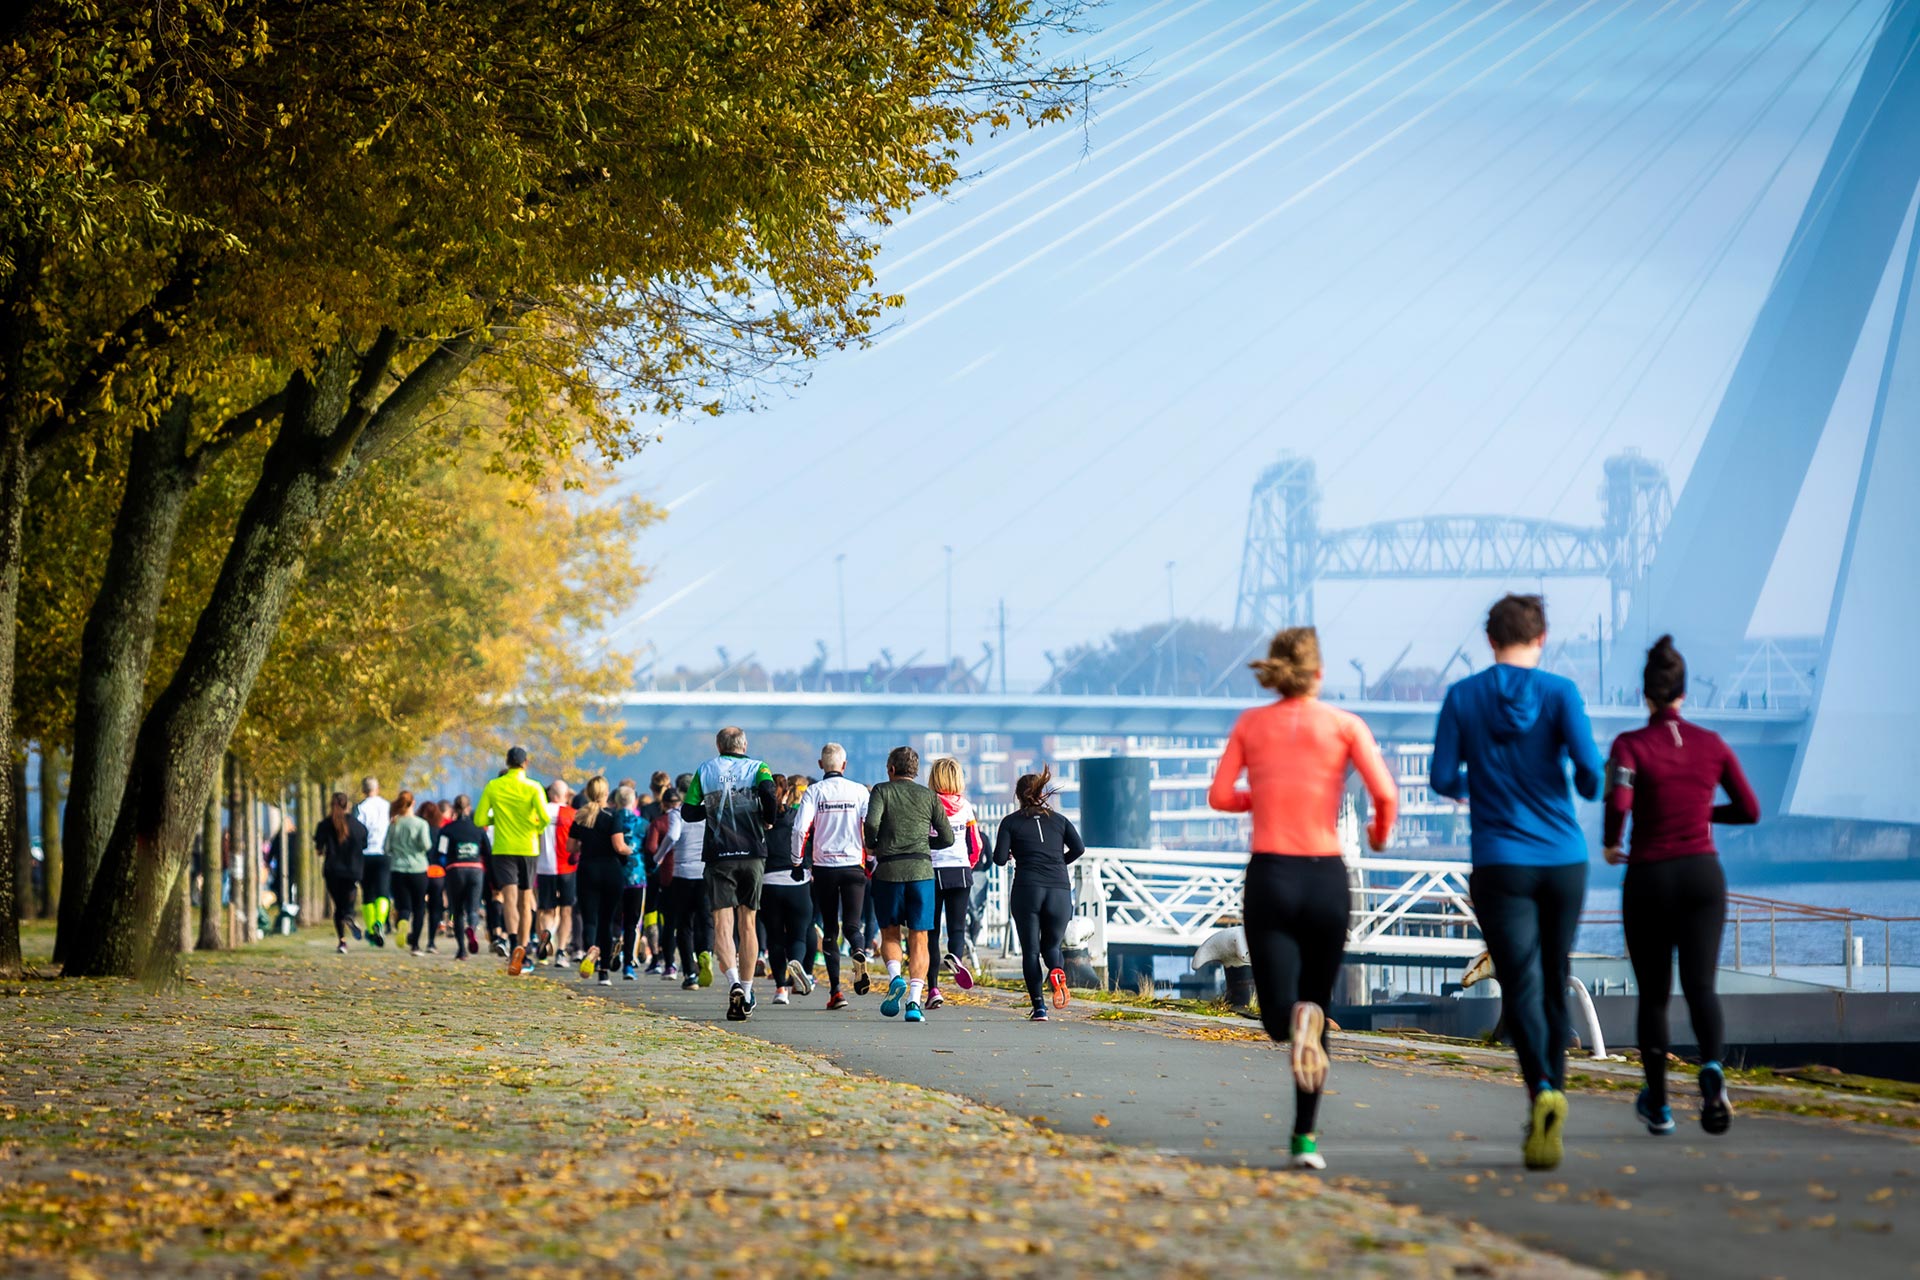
[1666, 776]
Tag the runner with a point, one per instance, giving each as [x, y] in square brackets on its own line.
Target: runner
[436, 814]
[464, 851]
[556, 886]
[952, 880]
[1675, 893]
[657, 850]
[1041, 843]
[633, 887]
[687, 919]
[376, 902]
[515, 809]
[787, 902]
[905, 823]
[1295, 754]
[341, 839]
[832, 820]
[599, 840]
[1503, 742]
[653, 814]
[408, 839]
[733, 795]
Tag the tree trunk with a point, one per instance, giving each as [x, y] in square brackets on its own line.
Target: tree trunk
[229, 855]
[22, 843]
[210, 874]
[250, 859]
[331, 422]
[185, 735]
[51, 764]
[13, 496]
[116, 648]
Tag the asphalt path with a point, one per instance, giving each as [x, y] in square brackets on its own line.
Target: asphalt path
[1778, 1196]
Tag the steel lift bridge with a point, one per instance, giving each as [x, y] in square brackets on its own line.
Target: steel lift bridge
[1287, 551]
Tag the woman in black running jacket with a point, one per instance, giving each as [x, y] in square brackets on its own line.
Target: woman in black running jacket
[1041, 843]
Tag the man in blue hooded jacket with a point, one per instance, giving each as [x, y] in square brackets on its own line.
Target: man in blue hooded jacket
[1505, 737]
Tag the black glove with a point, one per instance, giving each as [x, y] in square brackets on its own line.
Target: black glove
[799, 874]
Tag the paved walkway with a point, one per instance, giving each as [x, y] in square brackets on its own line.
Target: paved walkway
[1777, 1197]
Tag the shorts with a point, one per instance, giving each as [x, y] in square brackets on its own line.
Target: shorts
[559, 891]
[904, 904]
[734, 882]
[511, 871]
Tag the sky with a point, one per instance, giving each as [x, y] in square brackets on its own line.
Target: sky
[1457, 252]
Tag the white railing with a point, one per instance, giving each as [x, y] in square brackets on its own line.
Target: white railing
[1402, 907]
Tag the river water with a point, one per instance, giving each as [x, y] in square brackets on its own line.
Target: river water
[1799, 943]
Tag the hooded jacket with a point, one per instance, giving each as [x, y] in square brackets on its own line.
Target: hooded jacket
[1504, 740]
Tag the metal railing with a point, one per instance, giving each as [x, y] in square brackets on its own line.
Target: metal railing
[1747, 912]
[1402, 907]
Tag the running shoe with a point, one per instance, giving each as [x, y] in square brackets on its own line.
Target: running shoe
[1659, 1120]
[356, 930]
[1039, 1014]
[500, 947]
[376, 939]
[737, 1003]
[1716, 1108]
[432, 950]
[706, 968]
[753, 1002]
[593, 958]
[473, 939]
[606, 979]
[1309, 1055]
[670, 973]
[689, 984]
[416, 951]
[1544, 1124]
[518, 963]
[343, 946]
[798, 978]
[861, 982]
[838, 1000]
[1305, 1152]
[546, 944]
[934, 998]
[1058, 981]
[914, 1014]
[629, 973]
[896, 995]
[962, 976]
[780, 996]
[653, 965]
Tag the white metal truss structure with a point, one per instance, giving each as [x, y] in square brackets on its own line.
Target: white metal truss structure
[1403, 908]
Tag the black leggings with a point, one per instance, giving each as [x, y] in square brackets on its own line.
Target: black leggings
[410, 901]
[689, 923]
[343, 890]
[466, 886]
[1040, 915]
[1678, 905]
[951, 906]
[1296, 912]
[787, 908]
[601, 881]
[633, 908]
[1528, 916]
[840, 898]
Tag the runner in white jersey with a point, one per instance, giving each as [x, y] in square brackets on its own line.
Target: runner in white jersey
[376, 892]
[833, 814]
[688, 924]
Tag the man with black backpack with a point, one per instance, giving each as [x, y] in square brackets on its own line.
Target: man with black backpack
[734, 795]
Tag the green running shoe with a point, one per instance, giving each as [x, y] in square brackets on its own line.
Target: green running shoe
[1544, 1123]
[1306, 1152]
[706, 968]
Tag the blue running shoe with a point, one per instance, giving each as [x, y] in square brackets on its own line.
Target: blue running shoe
[914, 1014]
[1716, 1109]
[896, 993]
[1659, 1120]
[629, 973]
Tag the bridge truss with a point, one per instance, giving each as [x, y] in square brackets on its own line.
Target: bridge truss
[1287, 552]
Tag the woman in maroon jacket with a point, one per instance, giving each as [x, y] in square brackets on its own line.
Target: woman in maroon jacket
[1675, 896]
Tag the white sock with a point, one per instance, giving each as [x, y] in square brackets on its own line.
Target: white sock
[748, 984]
[914, 988]
[893, 970]
[733, 976]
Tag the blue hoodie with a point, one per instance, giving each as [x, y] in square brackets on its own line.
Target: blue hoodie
[1502, 745]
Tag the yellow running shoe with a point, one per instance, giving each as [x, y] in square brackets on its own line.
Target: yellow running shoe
[1544, 1123]
[588, 961]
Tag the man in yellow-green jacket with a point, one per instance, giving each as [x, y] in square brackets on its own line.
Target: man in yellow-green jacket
[515, 807]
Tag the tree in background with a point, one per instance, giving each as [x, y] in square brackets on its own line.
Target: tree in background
[1188, 656]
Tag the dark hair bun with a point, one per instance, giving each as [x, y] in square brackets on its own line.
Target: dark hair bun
[1664, 680]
